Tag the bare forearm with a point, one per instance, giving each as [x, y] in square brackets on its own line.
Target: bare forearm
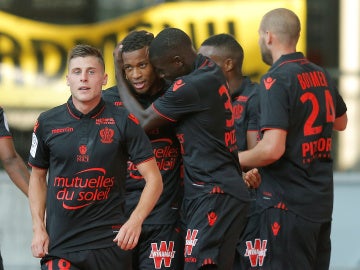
[147, 202]
[151, 192]
[266, 151]
[37, 201]
[253, 159]
[18, 173]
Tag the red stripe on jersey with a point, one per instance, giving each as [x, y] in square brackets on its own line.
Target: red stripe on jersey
[163, 116]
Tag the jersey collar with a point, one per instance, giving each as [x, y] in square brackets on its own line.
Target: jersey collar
[288, 58]
[77, 114]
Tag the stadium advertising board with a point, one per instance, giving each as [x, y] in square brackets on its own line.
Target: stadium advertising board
[33, 54]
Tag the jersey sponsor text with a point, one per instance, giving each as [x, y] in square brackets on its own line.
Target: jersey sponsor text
[80, 191]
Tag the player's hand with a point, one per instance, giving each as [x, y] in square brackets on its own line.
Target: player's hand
[117, 54]
[128, 235]
[252, 178]
[40, 243]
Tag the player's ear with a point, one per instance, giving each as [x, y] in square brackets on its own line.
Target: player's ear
[105, 79]
[229, 64]
[178, 60]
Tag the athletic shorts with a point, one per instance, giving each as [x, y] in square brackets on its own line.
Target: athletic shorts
[159, 247]
[278, 239]
[112, 258]
[214, 223]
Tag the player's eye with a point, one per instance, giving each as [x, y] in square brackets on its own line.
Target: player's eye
[127, 68]
[143, 65]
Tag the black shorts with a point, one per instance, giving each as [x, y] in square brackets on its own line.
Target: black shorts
[1, 263]
[159, 247]
[112, 258]
[279, 239]
[213, 223]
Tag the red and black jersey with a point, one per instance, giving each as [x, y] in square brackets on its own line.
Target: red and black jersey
[86, 157]
[299, 97]
[166, 150]
[245, 102]
[200, 105]
[4, 127]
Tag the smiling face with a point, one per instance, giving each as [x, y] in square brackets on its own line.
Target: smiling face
[86, 77]
[139, 71]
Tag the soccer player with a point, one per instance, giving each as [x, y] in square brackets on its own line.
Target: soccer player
[300, 108]
[84, 146]
[11, 161]
[161, 244]
[215, 201]
[228, 54]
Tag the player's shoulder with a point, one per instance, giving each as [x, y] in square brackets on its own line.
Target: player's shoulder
[249, 85]
[114, 108]
[111, 91]
[55, 112]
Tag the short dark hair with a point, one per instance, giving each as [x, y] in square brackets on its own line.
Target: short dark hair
[83, 50]
[136, 40]
[169, 40]
[228, 43]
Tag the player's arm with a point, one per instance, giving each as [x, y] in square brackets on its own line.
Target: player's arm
[14, 165]
[251, 138]
[268, 150]
[253, 115]
[37, 200]
[252, 177]
[340, 122]
[128, 236]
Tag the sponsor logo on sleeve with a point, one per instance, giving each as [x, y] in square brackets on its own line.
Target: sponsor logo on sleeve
[34, 144]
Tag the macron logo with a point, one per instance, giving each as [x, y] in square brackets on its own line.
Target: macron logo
[268, 82]
[178, 84]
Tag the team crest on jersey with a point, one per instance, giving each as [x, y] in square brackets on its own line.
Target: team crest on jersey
[82, 157]
[162, 254]
[268, 82]
[256, 252]
[83, 149]
[107, 135]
